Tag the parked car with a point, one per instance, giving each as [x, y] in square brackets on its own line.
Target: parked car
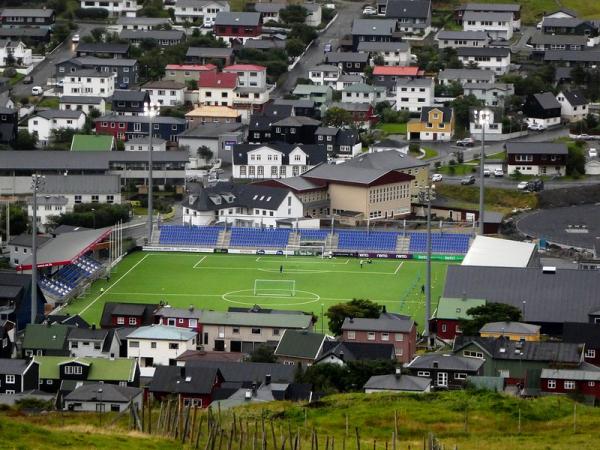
[28, 79]
[369, 11]
[536, 127]
[593, 153]
[583, 137]
[487, 172]
[466, 142]
[522, 185]
[123, 86]
[498, 172]
[75, 39]
[468, 180]
[437, 177]
[37, 90]
[536, 185]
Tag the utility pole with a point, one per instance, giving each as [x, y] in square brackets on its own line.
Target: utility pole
[425, 195]
[37, 182]
[482, 117]
[150, 111]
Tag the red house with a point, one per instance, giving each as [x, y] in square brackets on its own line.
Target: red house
[563, 381]
[179, 317]
[445, 321]
[388, 328]
[194, 385]
[363, 114]
[238, 26]
[117, 315]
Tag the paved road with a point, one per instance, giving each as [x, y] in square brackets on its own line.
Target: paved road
[45, 69]
[525, 35]
[509, 183]
[347, 12]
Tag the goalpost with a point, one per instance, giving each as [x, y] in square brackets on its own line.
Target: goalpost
[305, 250]
[274, 288]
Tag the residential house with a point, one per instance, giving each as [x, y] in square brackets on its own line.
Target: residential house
[372, 30]
[100, 397]
[413, 16]
[388, 76]
[43, 123]
[219, 138]
[496, 59]
[56, 370]
[93, 343]
[127, 8]
[247, 372]
[160, 38]
[48, 208]
[397, 383]
[78, 189]
[299, 107]
[573, 105]
[569, 26]
[7, 339]
[363, 114]
[386, 145]
[541, 42]
[243, 332]
[587, 334]
[320, 95]
[124, 128]
[445, 370]
[196, 386]
[115, 314]
[312, 194]
[18, 375]
[435, 124]
[387, 328]
[324, 75]
[200, 12]
[15, 302]
[238, 26]
[445, 320]
[179, 317]
[339, 142]
[82, 103]
[294, 130]
[393, 53]
[491, 94]
[8, 125]
[27, 17]
[263, 392]
[572, 58]
[539, 158]
[457, 39]
[213, 115]
[363, 93]
[30, 36]
[251, 90]
[340, 352]
[209, 55]
[20, 246]
[346, 80]
[217, 88]
[492, 126]
[498, 25]
[66, 319]
[102, 49]
[413, 94]
[266, 44]
[299, 347]
[581, 382]
[466, 76]
[143, 23]
[349, 62]
[513, 8]
[90, 83]
[143, 145]
[277, 160]
[45, 340]
[159, 345]
[269, 11]
[184, 73]
[542, 109]
[14, 53]
[165, 93]
[515, 331]
[126, 70]
[518, 361]
[129, 103]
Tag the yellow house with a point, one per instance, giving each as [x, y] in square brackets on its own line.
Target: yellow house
[435, 124]
[515, 331]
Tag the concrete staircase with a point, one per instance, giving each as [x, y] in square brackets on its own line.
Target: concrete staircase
[402, 244]
[224, 239]
[331, 243]
[294, 239]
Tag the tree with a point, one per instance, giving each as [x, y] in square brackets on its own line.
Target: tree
[578, 74]
[93, 214]
[357, 308]
[293, 14]
[351, 377]
[462, 106]
[205, 153]
[337, 117]
[303, 32]
[62, 138]
[294, 47]
[18, 219]
[25, 141]
[490, 312]
[576, 160]
[263, 354]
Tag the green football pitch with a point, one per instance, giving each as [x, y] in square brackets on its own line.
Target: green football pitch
[220, 281]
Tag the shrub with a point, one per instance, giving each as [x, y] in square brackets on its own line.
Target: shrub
[91, 13]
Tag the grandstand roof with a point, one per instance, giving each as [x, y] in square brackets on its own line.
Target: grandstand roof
[489, 251]
[66, 247]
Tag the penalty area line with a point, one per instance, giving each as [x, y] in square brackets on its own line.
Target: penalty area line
[199, 261]
[398, 268]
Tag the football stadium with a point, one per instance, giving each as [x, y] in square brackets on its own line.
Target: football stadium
[295, 269]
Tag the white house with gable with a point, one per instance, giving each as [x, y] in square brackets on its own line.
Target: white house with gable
[159, 345]
[127, 8]
[44, 122]
[89, 83]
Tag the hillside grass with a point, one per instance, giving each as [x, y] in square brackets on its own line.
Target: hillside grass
[467, 420]
[502, 200]
[392, 128]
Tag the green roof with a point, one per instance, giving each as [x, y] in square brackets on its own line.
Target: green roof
[101, 369]
[91, 143]
[47, 337]
[300, 344]
[456, 308]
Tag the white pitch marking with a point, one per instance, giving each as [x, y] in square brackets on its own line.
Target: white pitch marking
[199, 261]
[398, 268]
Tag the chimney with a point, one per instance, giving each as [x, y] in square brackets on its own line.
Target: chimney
[191, 308]
[268, 379]
[435, 364]
[398, 372]
[342, 355]
[248, 395]
[93, 326]
[351, 319]
[384, 310]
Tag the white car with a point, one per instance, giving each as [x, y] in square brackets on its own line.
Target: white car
[593, 153]
[498, 172]
[522, 185]
[536, 127]
[75, 39]
[487, 172]
[37, 90]
[369, 11]
[437, 177]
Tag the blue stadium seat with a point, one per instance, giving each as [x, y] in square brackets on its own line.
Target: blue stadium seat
[451, 243]
[312, 234]
[187, 235]
[260, 237]
[363, 240]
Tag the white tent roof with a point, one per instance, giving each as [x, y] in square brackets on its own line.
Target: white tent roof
[494, 252]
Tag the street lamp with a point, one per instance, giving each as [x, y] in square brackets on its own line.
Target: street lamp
[100, 405]
[37, 181]
[425, 196]
[482, 118]
[150, 111]
[94, 217]
[322, 319]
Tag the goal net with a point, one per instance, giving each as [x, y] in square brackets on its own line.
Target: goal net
[305, 250]
[274, 288]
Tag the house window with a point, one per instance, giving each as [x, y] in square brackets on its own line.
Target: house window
[115, 407]
[371, 336]
[460, 376]
[73, 370]
[551, 384]
[95, 198]
[152, 344]
[569, 384]
[132, 321]
[351, 335]
[385, 336]
[255, 330]
[591, 383]
[10, 379]
[399, 337]
[78, 199]
[134, 344]
[173, 346]
[235, 330]
[444, 327]
[471, 354]
[422, 373]
[590, 353]
[120, 320]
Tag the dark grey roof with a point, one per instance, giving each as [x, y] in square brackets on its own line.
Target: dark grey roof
[575, 97]
[300, 183]
[351, 106]
[74, 320]
[491, 7]
[211, 130]
[81, 184]
[391, 159]
[295, 103]
[547, 100]
[58, 114]
[446, 113]
[300, 344]
[540, 38]
[406, 383]
[273, 112]
[105, 392]
[81, 99]
[386, 322]
[249, 371]
[184, 313]
[264, 44]
[582, 333]
[184, 380]
[24, 32]
[210, 52]
[356, 351]
[237, 18]
[373, 27]
[383, 46]
[345, 173]
[537, 148]
[171, 35]
[102, 47]
[229, 195]
[94, 62]
[390, 143]
[485, 51]
[27, 12]
[327, 131]
[143, 20]
[129, 96]
[503, 348]
[461, 74]
[141, 119]
[408, 9]
[572, 55]
[297, 121]
[567, 295]
[563, 22]
[341, 57]
[468, 35]
[316, 154]
[269, 7]
[13, 366]
[259, 123]
[91, 334]
[488, 15]
[445, 361]
[24, 240]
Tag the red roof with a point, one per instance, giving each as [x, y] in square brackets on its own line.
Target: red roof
[246, 67]
[401, 71]
[218, 80]
[200, 67]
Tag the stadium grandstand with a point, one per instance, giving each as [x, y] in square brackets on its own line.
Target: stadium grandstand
[323, 241]
[69, 262]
